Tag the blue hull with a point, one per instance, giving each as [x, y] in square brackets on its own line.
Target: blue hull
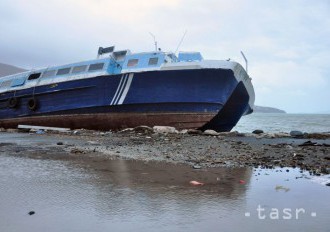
[205, 98]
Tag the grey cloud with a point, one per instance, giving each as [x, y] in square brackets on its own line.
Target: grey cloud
[271, 33]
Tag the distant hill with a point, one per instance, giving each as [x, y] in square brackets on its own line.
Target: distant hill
[265, 109]
[6, 69]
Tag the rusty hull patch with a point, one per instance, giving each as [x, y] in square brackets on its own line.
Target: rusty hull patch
[113, 121]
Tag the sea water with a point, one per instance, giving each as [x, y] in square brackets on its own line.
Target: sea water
[277, 122]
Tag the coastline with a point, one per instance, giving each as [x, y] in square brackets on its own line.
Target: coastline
[192, 148]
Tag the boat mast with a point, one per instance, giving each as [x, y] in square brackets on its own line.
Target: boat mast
[154, 37]
[177, 48]
[246, 62]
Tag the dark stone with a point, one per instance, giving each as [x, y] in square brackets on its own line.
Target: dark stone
[307, 143]
[328, 184]
[194, 132]
[297, 134]
[257, 132]
[144, 129]
[59, 143]
[31, 213]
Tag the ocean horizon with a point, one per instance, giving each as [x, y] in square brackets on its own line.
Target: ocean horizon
[279, 122]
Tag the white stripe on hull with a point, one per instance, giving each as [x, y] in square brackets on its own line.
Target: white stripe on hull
[115, 96]
[128, 85]
[122, 89]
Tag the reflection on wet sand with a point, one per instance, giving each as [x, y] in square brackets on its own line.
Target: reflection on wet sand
[92, 193]
[154, 180]
[137, 174]
[125, 184]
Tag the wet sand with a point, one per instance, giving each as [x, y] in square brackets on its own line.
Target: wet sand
[194, 150]
[139, 180]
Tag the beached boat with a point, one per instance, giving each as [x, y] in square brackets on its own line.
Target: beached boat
[120, 89]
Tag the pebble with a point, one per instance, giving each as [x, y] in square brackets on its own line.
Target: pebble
[207, 151]
[257, 132]
[197, 167]
[297, 134]
[211, 132]
[143, 129]
[194, 132]
[165, 129]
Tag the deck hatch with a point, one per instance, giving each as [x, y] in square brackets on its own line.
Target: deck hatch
[34, 76]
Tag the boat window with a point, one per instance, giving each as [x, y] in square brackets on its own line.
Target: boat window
[18, 82]
[34, 76]
[63, 71]
[78, 69]
[97, 66]
[132, 62]
[5, 84]
[49, 73]
[153, 61]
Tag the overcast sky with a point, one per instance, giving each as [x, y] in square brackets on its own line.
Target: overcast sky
[286, 42]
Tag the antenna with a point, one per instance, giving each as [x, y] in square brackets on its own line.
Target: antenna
[177, 48]
[246, 62]
[154, 37]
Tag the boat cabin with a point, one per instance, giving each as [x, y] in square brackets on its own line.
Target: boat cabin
[117, 62]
